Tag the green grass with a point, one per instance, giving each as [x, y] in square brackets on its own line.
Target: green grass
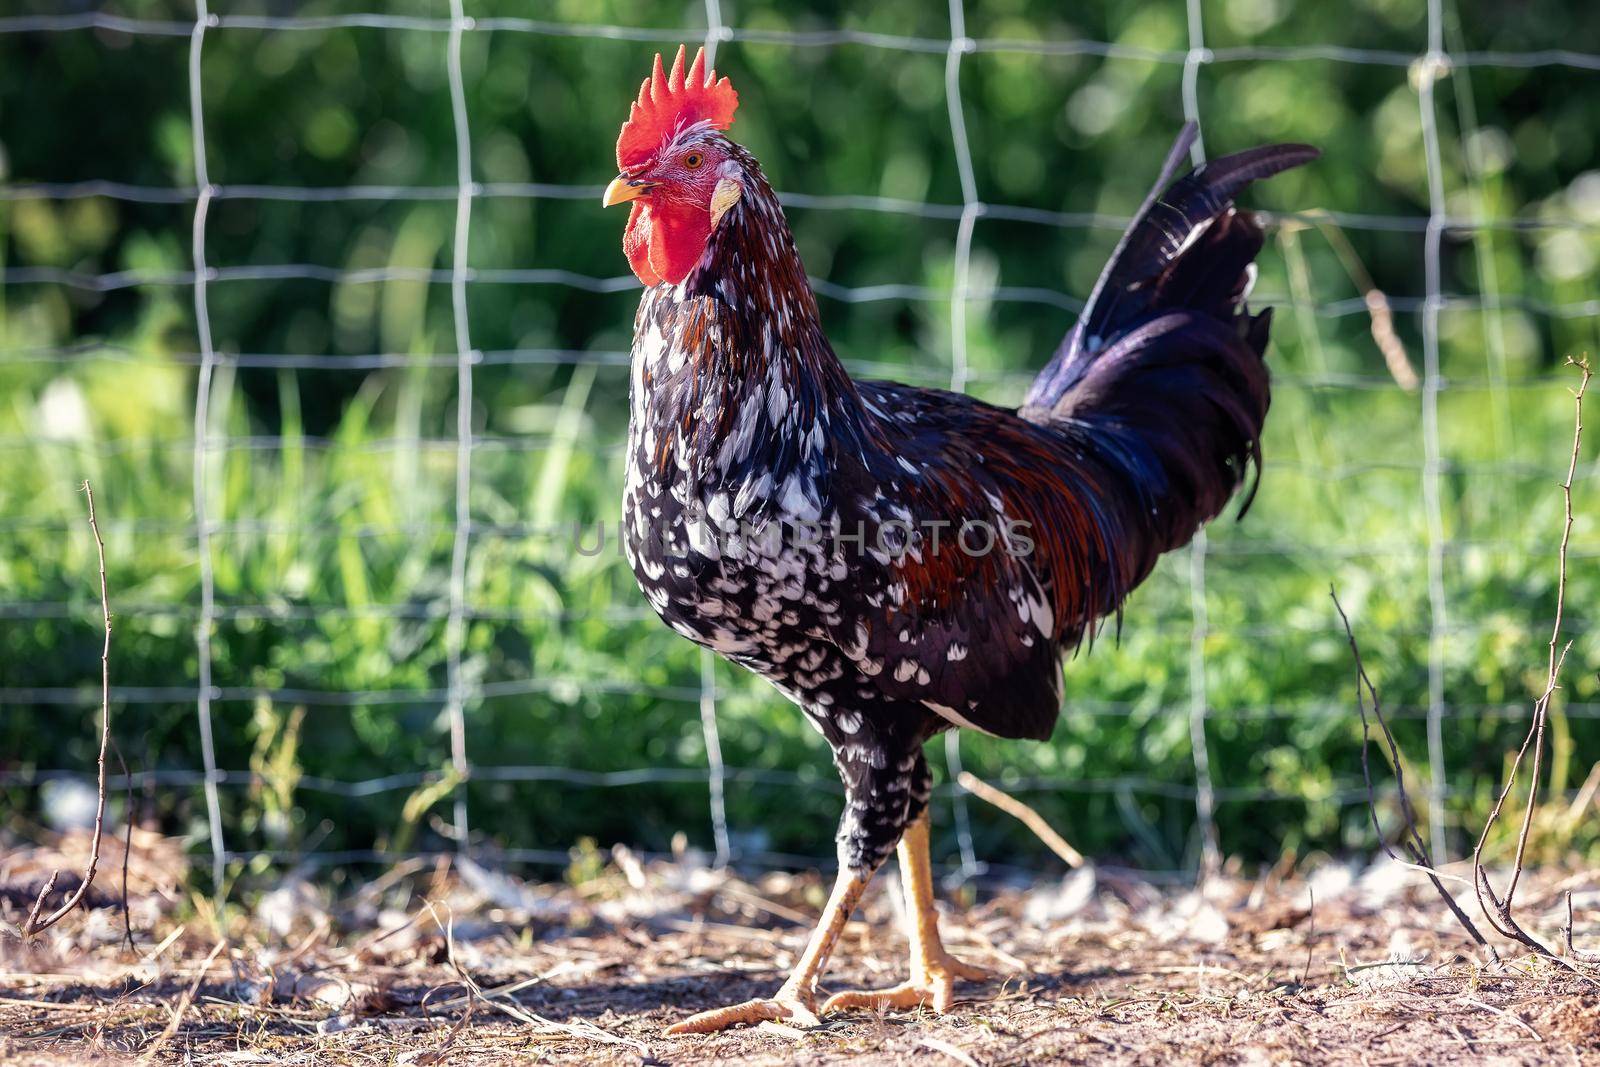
[331, 569]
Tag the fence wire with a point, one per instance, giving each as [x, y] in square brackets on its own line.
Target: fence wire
[202, 433]
[960, 45]
[1205, 801]
[717, 778]
[455, 628]
[461, 691]
[1432, 64]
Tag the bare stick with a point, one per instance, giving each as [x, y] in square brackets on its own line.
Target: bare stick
[502, 1001]
[1504, 1014]
[439, 1055]
[1497, 908]
[127, 847]
[35, 924]
[1585, 955]
[1311, 934]
[1585, 797]
[182, 1009]
[1410, 838]
[1379, 314]
[1024, 814]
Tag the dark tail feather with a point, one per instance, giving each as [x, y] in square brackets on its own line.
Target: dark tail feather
[1164, 233]
[1161, 388]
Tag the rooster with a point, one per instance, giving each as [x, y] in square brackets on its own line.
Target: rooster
[901, 561]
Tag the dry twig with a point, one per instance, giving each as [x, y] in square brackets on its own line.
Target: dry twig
[1497, 908]
[502, 1001]
[1024, 814]
[1311, 933]
[1410, 837]
[34, 925]
[960, 1055]
[426, 1057]
[1504, 1014]
[1585, 955]
[1379, 314]
[127, 848]
[182, 1009]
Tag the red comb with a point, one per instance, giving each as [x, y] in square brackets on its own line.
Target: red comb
[668, 103]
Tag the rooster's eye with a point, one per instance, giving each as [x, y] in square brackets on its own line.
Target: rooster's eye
[693, 160]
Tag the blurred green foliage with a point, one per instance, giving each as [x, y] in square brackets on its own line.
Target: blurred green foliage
[333, 488]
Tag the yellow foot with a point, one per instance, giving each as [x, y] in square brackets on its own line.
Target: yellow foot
[784, 1006]
[931, 985]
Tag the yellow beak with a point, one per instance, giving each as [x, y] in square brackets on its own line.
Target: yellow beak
[622, 189]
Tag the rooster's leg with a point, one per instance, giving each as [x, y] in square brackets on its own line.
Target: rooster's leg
[796, 999]
[886, 782]
[933, 970]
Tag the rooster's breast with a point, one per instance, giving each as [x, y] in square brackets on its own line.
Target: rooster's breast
[722, 540]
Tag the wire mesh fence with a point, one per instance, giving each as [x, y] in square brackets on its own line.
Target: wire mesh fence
[1202, 631]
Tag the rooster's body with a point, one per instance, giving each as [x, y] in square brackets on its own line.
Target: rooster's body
[901, 561]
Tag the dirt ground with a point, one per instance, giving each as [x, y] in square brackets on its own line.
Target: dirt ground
[455, 963]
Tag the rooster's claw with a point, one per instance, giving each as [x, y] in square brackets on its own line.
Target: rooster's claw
[789, 1009]
[934, 987]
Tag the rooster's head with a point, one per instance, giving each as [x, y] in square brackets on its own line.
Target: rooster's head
[676, 168]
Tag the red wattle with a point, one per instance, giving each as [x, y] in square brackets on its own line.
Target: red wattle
[665, 243]
[636, 243]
